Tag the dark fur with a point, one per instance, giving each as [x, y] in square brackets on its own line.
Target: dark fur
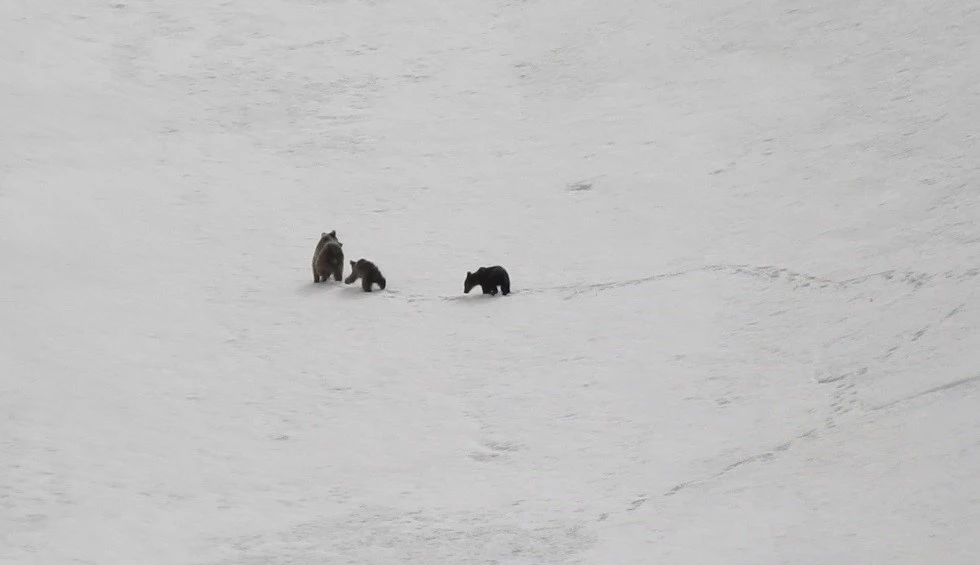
[368, 272]
[328, 259]
[488, 278]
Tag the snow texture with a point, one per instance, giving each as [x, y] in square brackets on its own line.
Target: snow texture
[743, 236]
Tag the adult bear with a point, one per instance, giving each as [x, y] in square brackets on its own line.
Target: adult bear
[328, 259]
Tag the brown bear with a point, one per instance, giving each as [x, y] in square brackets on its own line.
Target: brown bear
[328, 259]
[368, 272]
[488, 279]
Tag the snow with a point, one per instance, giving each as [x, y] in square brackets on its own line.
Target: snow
[744, 239]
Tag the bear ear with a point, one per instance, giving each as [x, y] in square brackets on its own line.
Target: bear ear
[333, 233]
[469, 274]
[352, 263]
[323, 234]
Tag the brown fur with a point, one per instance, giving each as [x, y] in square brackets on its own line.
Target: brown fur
[328, 259]
[488, 279]
[368, 272]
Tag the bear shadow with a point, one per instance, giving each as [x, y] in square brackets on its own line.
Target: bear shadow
[311, 288]
[354, 291]
[473, 299]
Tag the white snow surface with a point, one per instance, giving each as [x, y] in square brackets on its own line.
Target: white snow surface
[743, 235]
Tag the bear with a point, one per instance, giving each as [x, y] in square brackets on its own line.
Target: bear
[488, 278]
[328, 258]
[368, 272]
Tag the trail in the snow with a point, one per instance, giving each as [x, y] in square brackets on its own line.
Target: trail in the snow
[766, 273]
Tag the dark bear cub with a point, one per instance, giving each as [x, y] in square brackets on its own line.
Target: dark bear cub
[368, 272]
[488, 278]
[328, 258]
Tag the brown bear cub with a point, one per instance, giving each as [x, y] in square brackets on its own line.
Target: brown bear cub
[328, 259]
[488, 278]
[368, 272]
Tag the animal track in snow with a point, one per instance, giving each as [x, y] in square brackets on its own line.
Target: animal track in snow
[763, 456]
[965, 382]
[770, 273]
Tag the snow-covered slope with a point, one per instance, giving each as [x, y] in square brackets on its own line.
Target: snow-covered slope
[744, 238]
